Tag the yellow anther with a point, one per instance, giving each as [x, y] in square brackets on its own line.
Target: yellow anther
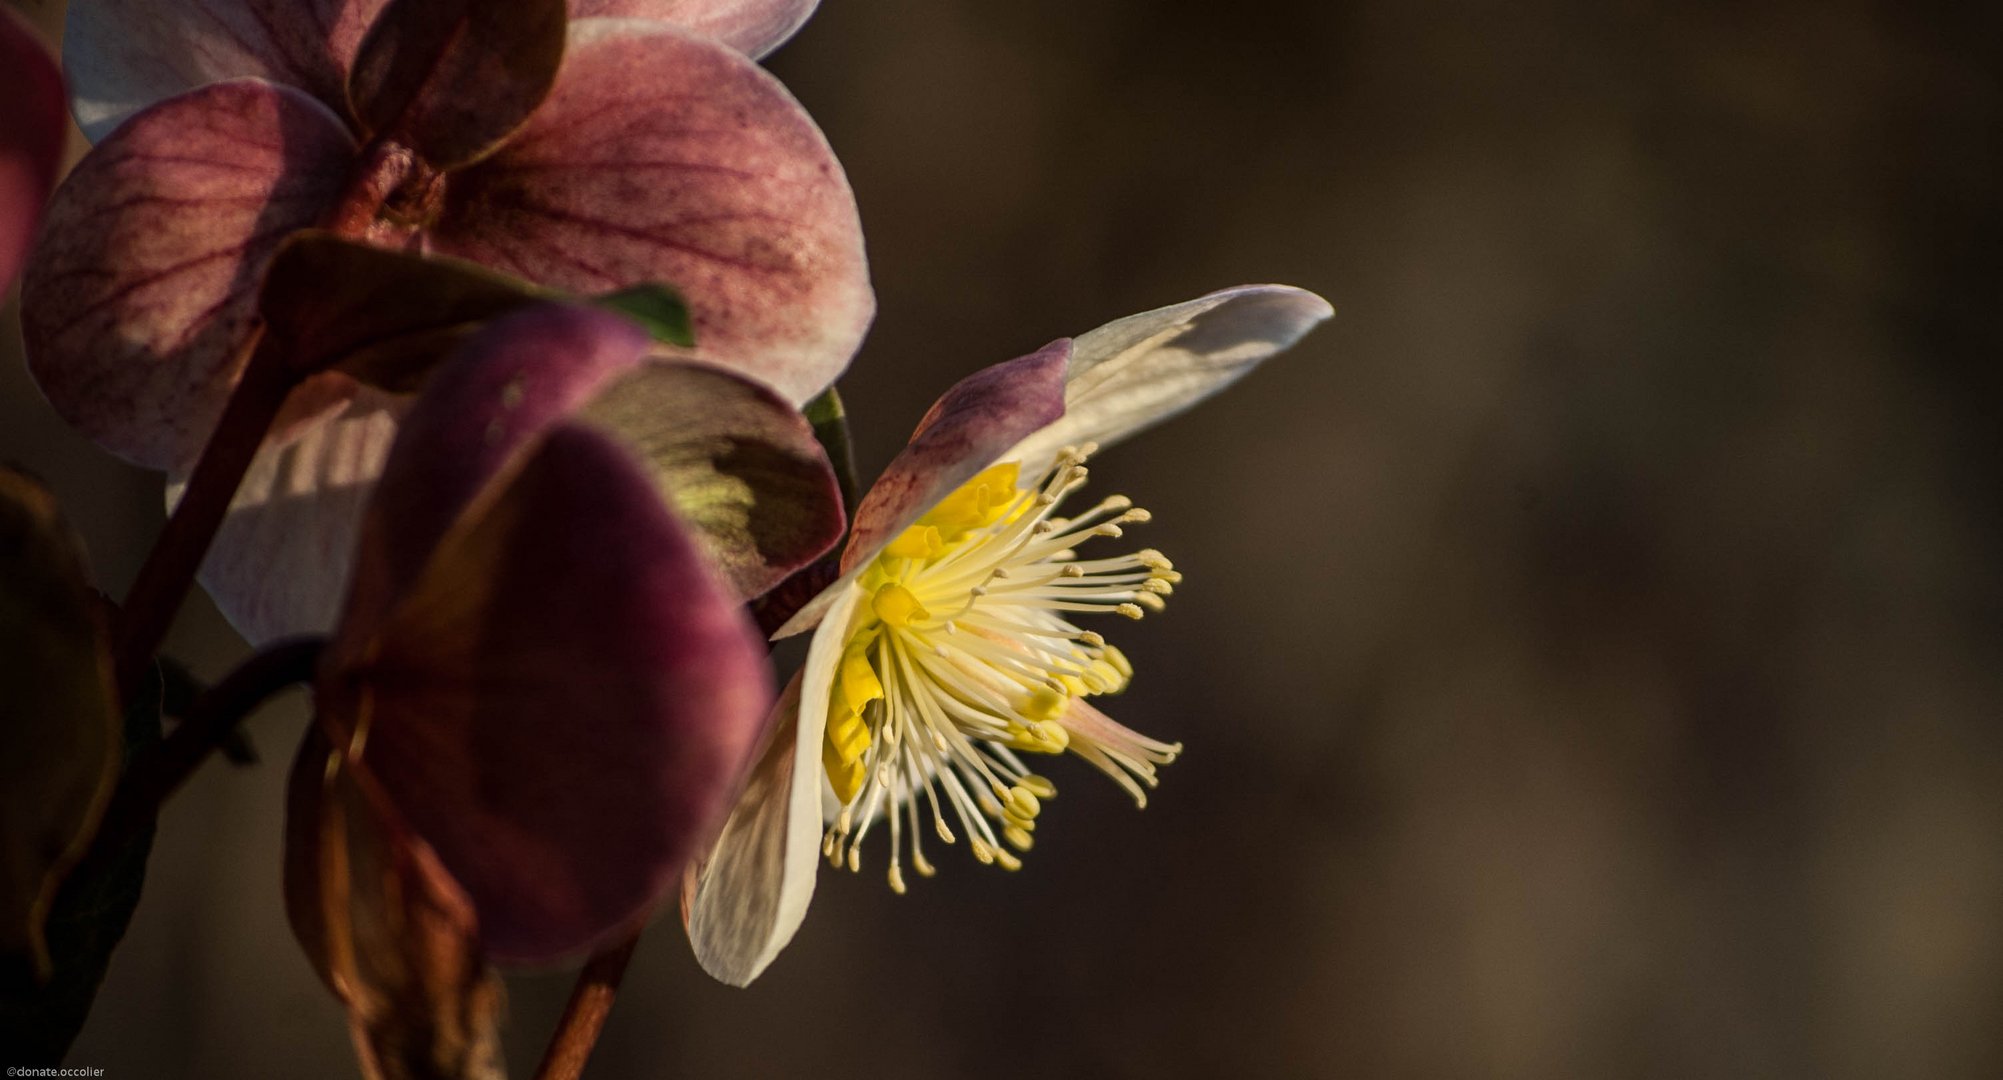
[1045, 703]
[916, 542]
[1039, 786]
[939, 826]
[1021, 839]
[1131, 611]
[1158, 585]
[896, 606]
[1023, 802]
[1092, 638]
[854, 858]
[1118, 659]
[1006, 860]
[981, 850]
[896, 880]
[1139, 515]
[1150, 601]
[976, 504]
[921, 864]
[1153, 560]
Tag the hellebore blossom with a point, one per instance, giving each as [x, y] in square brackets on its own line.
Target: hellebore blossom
[949, 653]
[31, 139]
[584, 148]
[545, 631]
[544, 687]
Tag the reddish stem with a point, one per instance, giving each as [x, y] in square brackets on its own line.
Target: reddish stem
[170, 567]
[162, 768]
[584, 1016]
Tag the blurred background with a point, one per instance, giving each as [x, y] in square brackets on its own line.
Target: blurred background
[1588, 659]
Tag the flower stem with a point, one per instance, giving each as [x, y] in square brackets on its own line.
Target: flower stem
[207, 724]
[170, 567]
[584, 1016]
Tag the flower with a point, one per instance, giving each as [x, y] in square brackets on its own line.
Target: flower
[949, 652]
[544, 688]
[31, 139]
[603, 153]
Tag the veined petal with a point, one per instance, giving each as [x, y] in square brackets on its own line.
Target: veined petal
[279, 564]
[968, 429]
[124, 55]
[1135, 372]
[660, 156]
[752, 27]
[31, 139]
[562, 703]
[481, 412]
[751, 895]
[139, 295]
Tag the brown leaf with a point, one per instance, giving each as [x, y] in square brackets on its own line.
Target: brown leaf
[59, 728]
[387, 928]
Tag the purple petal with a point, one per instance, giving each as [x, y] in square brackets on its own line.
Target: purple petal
[124, 55]
[140, 293]
[451, 78]
[664, 157]
[1135, 372]
[32, 127]
[969, 428]
[279, 564]
[564, 702]
[752, 27]
[483, 408]
[741, 467]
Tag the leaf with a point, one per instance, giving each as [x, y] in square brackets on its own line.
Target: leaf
[84, 925]
[739, 464]
[656, 307]
[382, 317]
[386, 927]
[58, 723]
[451, 79]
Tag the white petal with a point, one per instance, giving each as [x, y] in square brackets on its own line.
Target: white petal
[752, 894]
[1134, 372]
[280, 562]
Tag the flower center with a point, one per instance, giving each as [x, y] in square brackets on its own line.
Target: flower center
[964, 656]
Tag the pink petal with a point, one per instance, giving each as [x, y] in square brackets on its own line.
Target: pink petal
[124, 55]
[482, 409]
[752, 892]
[32, 126]
[1133, 373]
[741, 467]
[752, 27]
[664, 157]
[279, 564]
[138, 298]
[968, 429]
[564, 702]
[451, 78]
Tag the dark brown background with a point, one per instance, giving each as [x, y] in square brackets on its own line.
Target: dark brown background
[1589, 654]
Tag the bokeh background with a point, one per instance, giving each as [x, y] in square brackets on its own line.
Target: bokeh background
[1589, 655]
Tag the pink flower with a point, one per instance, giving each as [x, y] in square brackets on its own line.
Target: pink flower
[636, 150]
[946, 657]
